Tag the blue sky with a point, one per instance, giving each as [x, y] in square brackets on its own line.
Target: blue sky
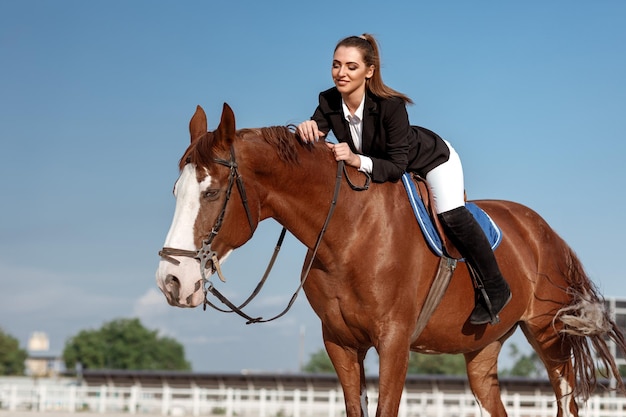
[95, 99]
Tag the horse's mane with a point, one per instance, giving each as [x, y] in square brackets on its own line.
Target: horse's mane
[283, 138]
[203, 151]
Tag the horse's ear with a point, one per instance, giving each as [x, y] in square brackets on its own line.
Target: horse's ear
[226, 130]
[198, 124]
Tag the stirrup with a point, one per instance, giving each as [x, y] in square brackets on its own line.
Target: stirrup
[494, 317]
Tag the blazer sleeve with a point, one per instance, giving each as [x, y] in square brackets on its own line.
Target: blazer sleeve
[323, 124]
[391, 156]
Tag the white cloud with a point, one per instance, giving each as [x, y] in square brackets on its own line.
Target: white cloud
[151, 304]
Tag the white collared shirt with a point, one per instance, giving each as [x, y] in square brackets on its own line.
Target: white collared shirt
[355, 121]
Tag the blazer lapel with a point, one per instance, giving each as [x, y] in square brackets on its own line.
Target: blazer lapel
[338, 122]
[370, 116]
[341, 128]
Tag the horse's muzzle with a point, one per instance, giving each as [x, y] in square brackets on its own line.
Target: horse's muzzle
[181, 284]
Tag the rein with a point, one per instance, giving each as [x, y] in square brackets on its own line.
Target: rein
[206, 253]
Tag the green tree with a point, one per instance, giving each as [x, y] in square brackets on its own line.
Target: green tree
[12, 357]
[320, 363]
[436, 364]
[525, 365]
[124, 344]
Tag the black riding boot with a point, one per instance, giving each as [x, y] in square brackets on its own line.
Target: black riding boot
[466, 234]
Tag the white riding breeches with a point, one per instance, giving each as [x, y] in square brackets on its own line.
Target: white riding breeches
[446, 183]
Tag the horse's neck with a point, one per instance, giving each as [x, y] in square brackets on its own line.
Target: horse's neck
[302, 207]
[304, 201]
[302, 196]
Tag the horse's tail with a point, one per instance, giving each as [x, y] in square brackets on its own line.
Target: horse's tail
[588, 327]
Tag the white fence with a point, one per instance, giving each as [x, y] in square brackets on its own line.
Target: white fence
[231, 402]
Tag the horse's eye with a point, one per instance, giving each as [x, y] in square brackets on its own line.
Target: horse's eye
[211, 193]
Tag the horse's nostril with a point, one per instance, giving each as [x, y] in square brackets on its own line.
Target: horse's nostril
[171, 279]
[172, 284]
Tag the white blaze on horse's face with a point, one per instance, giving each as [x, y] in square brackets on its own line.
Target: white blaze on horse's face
[187, 191]
[182, 283]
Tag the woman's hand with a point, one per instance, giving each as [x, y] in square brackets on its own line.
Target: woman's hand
[342, 152]
[309, 132]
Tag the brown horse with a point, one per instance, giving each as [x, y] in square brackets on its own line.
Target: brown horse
[371, 272]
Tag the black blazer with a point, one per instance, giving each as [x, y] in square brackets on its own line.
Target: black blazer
[394, 146]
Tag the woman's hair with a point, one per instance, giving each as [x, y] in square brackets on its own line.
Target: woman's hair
[368, 46]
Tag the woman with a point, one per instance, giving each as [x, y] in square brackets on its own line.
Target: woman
[371, 124]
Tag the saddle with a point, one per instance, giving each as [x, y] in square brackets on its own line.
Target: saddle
[424, 210]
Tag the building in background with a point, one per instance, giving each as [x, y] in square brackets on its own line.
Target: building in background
[41, 362]
[617, 307]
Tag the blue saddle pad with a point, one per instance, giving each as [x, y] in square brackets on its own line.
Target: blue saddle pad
[493, 232]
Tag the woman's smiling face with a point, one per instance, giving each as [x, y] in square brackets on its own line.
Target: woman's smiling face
[349, 71]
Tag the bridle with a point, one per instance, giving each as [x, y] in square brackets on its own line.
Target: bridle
[206, 254]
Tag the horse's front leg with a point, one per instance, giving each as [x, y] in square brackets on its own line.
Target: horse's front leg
[348, 363]
[393, 365]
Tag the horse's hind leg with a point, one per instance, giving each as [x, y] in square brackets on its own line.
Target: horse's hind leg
[482, 373]
[555, 353]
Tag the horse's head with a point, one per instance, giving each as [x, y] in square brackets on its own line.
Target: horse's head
[213, 211]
